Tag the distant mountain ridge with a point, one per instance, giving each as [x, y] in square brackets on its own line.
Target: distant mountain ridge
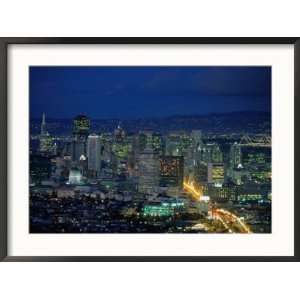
[251, 122]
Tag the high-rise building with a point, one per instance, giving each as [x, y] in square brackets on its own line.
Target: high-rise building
[211, 153]
[235, 155]
[215, 173]
[119, 134]
[43, 125]
[157, 142]
[46, 141]
[148, 170]
[257, 160]
[94, 155]
[78, 148]
[173, 145]
[196, 148]
[171, 171]
[81, 127]
[196, 137]
[200, 172]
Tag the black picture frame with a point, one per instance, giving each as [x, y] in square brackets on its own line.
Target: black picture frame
[4, 152]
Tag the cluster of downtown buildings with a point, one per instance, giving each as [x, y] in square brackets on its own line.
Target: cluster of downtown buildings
[147, 182]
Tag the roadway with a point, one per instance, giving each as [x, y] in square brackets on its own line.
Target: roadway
[230, 221]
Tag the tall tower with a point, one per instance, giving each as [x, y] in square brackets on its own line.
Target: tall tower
[81, 127]
[46, 142]
[148, 170]
[43, 125]
[235, 155]
[197, 144]
[94, 155]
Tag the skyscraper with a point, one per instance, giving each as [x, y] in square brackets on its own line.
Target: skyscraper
[43, 125]
[197, 145]
[81, 127]
[148, 170]
[171, 171]
[215, 173]
[46, 142]
[94, 155]
[157, 142]
[173, 145]
[119, 134]
[235, 155]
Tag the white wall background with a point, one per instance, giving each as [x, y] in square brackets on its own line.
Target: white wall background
[149, 280]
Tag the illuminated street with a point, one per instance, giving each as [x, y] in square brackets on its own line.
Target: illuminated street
[189, 186]
[231, 222]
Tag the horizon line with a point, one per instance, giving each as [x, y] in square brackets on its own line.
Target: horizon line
[154, 117]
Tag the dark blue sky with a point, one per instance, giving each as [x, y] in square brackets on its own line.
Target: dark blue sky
[140, 92]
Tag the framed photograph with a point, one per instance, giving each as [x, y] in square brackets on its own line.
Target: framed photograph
[149, 149]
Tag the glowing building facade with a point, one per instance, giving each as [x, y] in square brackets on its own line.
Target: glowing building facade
[171, 171]
[46, 141]
[215, 173]
[81, 127]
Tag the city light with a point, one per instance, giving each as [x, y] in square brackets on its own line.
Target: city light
[227, 217]
[142, 163]
[190, 187]
[204, 198]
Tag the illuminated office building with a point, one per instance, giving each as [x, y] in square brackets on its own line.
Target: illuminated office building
[215, 173]
[119, 134]
[148, 170]
[40, 168]
[220, 193]
[257, 161]
[46, 141]
[197, 146]
[46, 144]
[171, 171]
[157, 142]
[235, 155]
[238, 175]
[81, 127]
[211, 153]
[255, 155]
[78, 148]
[94, 155]
[200, 172]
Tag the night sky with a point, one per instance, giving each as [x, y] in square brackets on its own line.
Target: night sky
[141, 92]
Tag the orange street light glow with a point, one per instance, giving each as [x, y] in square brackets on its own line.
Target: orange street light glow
[190, 188]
